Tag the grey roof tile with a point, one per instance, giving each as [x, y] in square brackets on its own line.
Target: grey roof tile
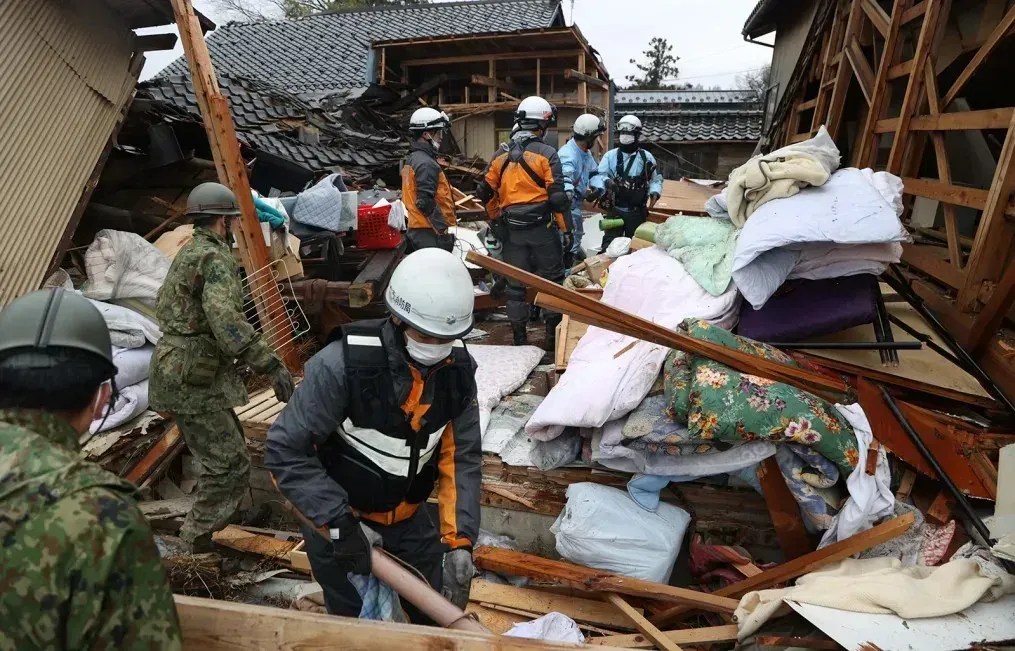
[717, 125]
[328, 51]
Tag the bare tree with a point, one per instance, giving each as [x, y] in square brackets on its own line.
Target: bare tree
[756, 82]
[272, 9]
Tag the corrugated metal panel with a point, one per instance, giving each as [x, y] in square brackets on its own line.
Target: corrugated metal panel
[56, 121]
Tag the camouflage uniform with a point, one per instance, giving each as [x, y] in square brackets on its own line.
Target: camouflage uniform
[200, 311]
[78, 567]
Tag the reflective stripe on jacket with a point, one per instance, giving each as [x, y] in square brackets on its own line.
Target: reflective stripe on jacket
[347, 438]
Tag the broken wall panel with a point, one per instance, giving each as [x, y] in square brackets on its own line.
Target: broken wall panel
[67, 72]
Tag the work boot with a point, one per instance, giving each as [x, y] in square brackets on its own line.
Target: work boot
[520, 336]
[579, 255]
[200, 545]
[534, 312]
[551, 336]
[498, 287]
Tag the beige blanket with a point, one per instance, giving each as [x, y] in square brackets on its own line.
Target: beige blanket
[879, 585]
[780, 174]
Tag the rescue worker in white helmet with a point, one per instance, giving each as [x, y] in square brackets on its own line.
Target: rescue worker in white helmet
[385, 412]
[579, 166]
[526, 182]
[425, 189]
[629, 177]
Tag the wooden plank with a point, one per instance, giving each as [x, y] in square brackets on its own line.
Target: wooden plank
[169, 444]
[503, 56]
[807, 563]
[998, 118]
[862, 69]
[932, 23]
[493, 83]
[704, 635]
[943, 169]
[994, 235]
[369, 285]
[879, 19]
[241, 540]
[583, 87]
[837, 102]
[954, 194]
[935, 261]
[914, 12]
[216, 625]
[513, 563]
[154, 42]
[866, 151]
[784, 510]
[648, 630]
[900, 70]
[782, 641]
[588, 611]
[589, 79]
[995, 38]
[631, 325]
[988, 321]
[498, 621]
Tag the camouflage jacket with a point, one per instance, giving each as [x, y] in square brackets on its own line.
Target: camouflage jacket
[200, 311]
[78, 566]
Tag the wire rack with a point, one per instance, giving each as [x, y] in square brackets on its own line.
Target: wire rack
[284, 322]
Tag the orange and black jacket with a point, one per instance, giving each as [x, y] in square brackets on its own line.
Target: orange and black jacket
[526, 184]
[368, 432]
[426, 191]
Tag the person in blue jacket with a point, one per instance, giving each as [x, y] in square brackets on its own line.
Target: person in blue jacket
[628, 183]
[578, 166]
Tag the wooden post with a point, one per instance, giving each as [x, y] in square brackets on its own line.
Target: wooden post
[491, 91]
[867, 151]
[785, 512]
[539, 74]
[232, 171]
[583, 87]
[384, 64]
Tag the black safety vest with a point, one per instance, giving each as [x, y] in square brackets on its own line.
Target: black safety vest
[631, 192]
[382, 456]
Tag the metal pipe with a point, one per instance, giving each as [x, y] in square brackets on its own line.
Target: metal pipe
[968, 363]
[926, 339]
[978, 528]
[850, 345]
[886, 327]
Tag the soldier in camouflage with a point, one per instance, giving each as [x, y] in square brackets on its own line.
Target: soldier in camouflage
[78, 566]
[193, 375]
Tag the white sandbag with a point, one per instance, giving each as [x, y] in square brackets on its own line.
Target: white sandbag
[123, 265]
[133, 365]
[131, 403]
[603, 527]
[551, 627]
[501, 370]
[127, 328]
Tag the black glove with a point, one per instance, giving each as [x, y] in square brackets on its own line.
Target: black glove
[593, 195]
[568, 241]
[570, 197]
[654, 195]
[352, 547]
[282, 383]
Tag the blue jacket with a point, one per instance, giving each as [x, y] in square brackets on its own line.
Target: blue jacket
[608, 170]
[578, 165]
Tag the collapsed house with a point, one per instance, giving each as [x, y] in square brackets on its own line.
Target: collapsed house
[698, 134]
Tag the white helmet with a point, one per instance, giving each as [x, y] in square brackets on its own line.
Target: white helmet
[535, 113]
[588, 126]
[629, 123]
[428, 119]
[431, 291]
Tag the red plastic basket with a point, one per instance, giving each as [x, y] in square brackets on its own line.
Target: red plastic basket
[372, 230]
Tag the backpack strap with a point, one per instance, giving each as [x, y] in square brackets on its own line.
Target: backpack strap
[516, 154]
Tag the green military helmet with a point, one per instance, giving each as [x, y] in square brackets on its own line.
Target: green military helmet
[212, 199]
[49, 320]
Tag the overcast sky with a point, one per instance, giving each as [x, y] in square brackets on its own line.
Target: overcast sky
[706, 38]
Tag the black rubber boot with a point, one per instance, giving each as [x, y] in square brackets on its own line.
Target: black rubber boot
[534, 313]
[551, 336]
[520, 336]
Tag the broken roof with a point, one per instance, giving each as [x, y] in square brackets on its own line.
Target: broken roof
[269, 119]
[330, 51]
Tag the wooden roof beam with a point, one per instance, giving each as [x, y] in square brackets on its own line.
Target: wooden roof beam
[862, 69]
[993, 40]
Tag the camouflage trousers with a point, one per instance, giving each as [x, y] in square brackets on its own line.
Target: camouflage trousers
[216, 441]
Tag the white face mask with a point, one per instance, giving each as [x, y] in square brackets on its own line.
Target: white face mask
[436, 143]
[626, 139]
[428, 354]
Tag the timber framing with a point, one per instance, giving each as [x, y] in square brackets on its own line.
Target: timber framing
[896, 84]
